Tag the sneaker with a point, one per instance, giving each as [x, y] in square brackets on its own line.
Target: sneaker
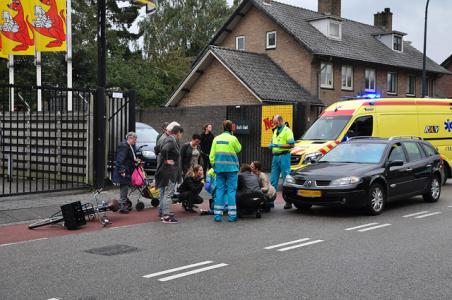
[218, 218]
[232, 219]
[169, 220]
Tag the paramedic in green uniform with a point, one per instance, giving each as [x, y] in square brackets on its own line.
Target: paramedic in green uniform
[282, 142]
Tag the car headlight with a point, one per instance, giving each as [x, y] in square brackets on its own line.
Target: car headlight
[345, 181]
[148, 154]
[311, 157]
[289, 179]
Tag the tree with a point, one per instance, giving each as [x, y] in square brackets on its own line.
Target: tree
[174, 36]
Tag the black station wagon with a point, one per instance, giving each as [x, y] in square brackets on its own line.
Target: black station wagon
[368, 172]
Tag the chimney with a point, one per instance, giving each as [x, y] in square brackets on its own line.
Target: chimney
[384, 20]
[330, 7]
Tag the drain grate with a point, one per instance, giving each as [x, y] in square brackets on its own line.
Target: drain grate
[112, 250]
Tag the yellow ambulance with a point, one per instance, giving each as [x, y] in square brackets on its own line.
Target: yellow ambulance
[428, 118]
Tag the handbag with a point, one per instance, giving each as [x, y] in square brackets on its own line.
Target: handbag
[137, 178]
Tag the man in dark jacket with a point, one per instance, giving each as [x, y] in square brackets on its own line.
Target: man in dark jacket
[124, 167]
[169, 172]
[206, 144]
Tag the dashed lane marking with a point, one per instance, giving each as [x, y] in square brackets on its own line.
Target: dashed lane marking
[288, 243]
[300, 245]
[428, 215]
[192, 272]
[178, 269]
[374, 227]
[361, 226]
[415, 214]
[23, 242]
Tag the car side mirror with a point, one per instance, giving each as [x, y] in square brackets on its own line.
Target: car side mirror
[395, 163]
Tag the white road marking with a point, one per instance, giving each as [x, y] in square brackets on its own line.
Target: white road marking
[416, 214]
[361, 226]
[54, 299]
[300, 245]
[178, 269]
[374, 227]
[23, 242]
[192, 272]
[450, 206]
[288, 243]
[428, 215]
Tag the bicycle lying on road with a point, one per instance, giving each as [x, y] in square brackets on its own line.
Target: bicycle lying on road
[76, 214]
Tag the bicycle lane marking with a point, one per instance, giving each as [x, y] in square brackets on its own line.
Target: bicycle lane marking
[22, 242]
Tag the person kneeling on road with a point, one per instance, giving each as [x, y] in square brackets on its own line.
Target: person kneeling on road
[247, 190]
[191, 187]
[266, 188]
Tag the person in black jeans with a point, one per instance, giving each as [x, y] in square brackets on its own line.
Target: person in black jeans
[191, 187]
[248, 188]
[206, 143]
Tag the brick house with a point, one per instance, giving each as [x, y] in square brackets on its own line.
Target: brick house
[271, 52]
[444, 82]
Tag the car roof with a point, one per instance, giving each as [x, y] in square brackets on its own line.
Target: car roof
[142, 125]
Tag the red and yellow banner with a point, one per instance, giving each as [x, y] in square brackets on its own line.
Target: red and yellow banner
[268, 112]
[29, 25]
[49, 25]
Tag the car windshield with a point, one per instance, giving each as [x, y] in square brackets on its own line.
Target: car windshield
[326, 128]
[146, 135]
[355, 153]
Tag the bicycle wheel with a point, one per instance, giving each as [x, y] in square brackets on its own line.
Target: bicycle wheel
[47, 221]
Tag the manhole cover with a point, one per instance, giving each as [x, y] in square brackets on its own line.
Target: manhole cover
[112, 250]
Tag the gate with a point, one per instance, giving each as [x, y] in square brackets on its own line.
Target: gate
[120, 111]
[45, 140]
[248, 120]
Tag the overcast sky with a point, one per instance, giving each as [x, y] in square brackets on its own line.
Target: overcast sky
[408, 17]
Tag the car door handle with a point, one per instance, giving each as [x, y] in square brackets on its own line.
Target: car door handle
[409, 169]
[428, 166]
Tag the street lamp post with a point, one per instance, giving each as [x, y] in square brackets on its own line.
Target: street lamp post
[99, 104]
[424, 73]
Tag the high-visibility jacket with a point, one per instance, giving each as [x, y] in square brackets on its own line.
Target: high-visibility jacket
[223, 154]
[284, 137]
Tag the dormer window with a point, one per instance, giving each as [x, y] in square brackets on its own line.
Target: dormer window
[393, 40]
[330, 26]
[397, 43]
[335, 30]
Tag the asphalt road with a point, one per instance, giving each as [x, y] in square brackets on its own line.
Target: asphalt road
[405, 253]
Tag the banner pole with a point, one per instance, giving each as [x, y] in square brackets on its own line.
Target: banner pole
[39, 78]
[11, 81]
[69, 51]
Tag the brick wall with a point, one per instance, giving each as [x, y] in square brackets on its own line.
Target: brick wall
[192, 119]
[444, 85]
[217, 86]
[293, 59]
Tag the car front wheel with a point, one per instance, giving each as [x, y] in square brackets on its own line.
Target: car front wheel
[376, 199]
[433, 190]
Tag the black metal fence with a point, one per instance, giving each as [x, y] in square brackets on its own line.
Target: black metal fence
[120, 111]
[45, 139]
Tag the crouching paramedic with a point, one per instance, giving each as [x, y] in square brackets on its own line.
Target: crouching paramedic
[223, 157]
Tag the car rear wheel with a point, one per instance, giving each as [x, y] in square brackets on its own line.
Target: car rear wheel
[376, 199]
[433, 190]
[303, 207]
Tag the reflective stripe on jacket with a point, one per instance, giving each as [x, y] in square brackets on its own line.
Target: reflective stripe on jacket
[223, 154]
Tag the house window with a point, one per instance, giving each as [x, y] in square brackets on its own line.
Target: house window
[370, 80]
[335, 30]
[397, 43]
[392, 83]
[411, 85]
[271, 40]
[347, 77]
[326, 75]
[240, 42]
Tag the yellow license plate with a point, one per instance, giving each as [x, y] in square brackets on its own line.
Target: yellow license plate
[309, 193]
